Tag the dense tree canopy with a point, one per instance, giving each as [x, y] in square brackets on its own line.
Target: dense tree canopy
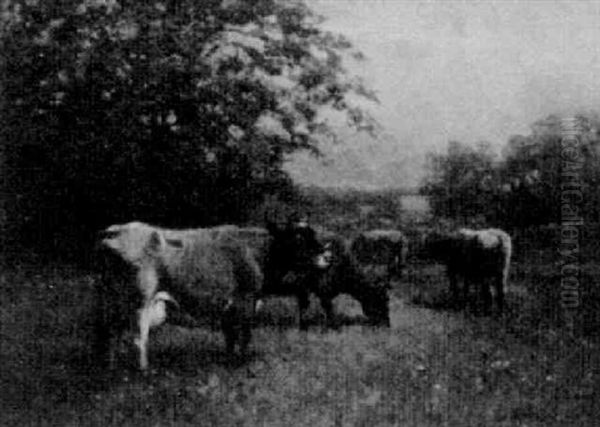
[175, 111]
[530, 184]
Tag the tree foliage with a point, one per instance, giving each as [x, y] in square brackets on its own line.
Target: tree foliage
[175, 111]
[459, 182]
[540, 170]
[529, 185]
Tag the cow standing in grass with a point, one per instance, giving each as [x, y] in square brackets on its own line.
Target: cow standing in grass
[474, 256]
[205, 276]
[346, 275]
[385, 249]
[292, 258]
[337, 271]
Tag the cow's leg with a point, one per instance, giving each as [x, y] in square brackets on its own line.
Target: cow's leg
[467, 280]
[247, 320]
[303, 303]
[141, 341]
[486, 295]
[499, 284]
[396, 268]
[228, 325]
[245, 337]
[453, 278]
[327, 304]
[147, 280]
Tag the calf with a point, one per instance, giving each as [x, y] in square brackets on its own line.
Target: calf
[475, 256]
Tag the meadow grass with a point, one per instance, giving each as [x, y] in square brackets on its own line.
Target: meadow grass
[434, 366]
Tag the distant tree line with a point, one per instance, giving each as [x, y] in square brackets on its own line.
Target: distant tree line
[527, 186]
[345, 209]
[177, 112]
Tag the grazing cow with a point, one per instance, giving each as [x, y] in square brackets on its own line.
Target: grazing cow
[475, 256]
[345, 275]
[206, 275]
[382, 248]
[291, 257]
[324, 266]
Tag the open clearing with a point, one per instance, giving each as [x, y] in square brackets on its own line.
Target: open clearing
[433, 367]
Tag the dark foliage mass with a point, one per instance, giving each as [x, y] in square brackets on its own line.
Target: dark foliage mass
[172, 112]
[548, 175]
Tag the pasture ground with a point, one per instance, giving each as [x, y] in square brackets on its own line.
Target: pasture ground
[433, 367]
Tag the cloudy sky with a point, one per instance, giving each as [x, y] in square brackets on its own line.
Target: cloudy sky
[456, 70]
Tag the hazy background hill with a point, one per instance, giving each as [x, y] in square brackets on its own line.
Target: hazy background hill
[456, 71]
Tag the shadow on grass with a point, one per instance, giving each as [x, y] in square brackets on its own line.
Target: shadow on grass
[473, 307]
[282, 313]
[288, 322]
[191, 359]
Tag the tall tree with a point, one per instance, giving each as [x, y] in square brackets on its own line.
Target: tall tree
[175, 111]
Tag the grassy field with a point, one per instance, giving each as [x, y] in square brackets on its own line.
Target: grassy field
[433, 367]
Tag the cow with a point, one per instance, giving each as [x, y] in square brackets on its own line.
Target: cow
[345, 275]
[291, 257]
[382, 249]
[328, 271]
[474, 256]
[189, 277]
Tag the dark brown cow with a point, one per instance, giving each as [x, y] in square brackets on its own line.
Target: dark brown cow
[291, 258]
[382, 248]
[336, 272]
[474, 256]
[345, 275]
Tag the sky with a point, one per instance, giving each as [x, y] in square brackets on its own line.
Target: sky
[466, 71]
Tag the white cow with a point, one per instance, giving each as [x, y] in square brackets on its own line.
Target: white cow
[148, 270]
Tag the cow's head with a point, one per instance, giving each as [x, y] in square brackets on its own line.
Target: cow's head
[130, 241]
[136, 243]
[295, 247]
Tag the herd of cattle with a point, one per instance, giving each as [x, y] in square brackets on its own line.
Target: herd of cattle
[220, 276]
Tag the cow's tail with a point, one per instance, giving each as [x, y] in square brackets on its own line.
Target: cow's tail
[249, 280]
[507, 254]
